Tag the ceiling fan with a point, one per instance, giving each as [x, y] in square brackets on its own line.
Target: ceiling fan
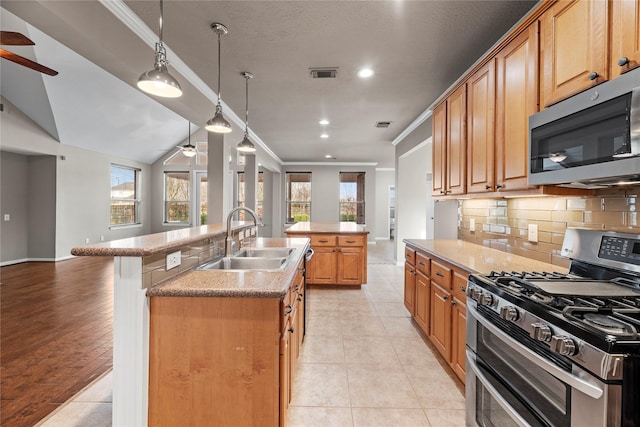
[11, 38]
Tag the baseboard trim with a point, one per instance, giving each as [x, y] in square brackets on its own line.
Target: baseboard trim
[19, 261]
[13, 261]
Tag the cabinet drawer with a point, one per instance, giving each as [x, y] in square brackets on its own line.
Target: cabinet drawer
[323, 240]
[441, 274]
[410, 256]
[423, 263]
[350, 241]
[460, 285]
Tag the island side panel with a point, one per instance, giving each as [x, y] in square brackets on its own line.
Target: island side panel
[130, 343]
[214, 361]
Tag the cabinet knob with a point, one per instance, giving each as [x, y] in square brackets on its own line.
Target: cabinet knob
[443, 192]
[445, 297]
[623, 61]
[487, 187]
[453, 302]
[498, 186]
[593, 75]
[291, 329]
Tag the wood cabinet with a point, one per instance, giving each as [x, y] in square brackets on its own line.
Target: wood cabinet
[625, 36]
[449, 145]
[435, 295]
[337, 259]
[516, 100]
[224, 361]
[574, 40]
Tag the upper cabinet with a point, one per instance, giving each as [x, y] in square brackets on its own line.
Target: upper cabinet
[574, 39]
[480, 131]
[449, 145]
[516, 100]
[625, 36]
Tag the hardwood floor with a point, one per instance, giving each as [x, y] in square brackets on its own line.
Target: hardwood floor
[55, 334]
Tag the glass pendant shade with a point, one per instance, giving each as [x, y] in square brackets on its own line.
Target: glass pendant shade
[189, 150]
[158, 81]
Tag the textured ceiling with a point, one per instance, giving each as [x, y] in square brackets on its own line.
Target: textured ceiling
[417, 49]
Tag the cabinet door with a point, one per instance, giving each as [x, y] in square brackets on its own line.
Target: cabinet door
[285, 374]
[350, 266]
[324, 265]
[422, 302]
[574, 47]
[480, 129]
[516, 99]
[625, 36]
[456, 142]
[439, 146]
[441, 320]
[458, 338]
[409, 287]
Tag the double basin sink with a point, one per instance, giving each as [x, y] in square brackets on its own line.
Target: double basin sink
[273, 259]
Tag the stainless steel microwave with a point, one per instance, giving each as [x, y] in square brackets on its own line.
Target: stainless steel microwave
[590, 140]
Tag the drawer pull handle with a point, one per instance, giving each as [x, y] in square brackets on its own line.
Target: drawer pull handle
[291, 329]
[463, 289]
[323, 241]
[300, 297]
[351, 241]
[421, 263]
[445, 297]
[453, 302]
[288, 310]
[439, 274]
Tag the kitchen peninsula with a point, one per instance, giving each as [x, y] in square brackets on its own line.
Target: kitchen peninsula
[225, 335]
[340, 252]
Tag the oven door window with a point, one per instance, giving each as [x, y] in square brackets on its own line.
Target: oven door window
[595, 135]
[525, 384]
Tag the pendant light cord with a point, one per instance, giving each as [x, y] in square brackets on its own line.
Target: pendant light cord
[218, 107]
[161, 14]
[246, 113]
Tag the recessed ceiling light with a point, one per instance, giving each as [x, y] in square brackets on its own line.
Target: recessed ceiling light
[324, 122]
[365, 73]
[328, 156]
[324, 135]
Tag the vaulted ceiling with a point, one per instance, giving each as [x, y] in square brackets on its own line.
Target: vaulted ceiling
[417, 49]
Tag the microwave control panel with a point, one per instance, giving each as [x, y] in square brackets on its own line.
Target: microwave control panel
[620, 249]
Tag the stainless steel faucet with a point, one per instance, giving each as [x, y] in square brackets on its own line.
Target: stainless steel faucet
[228, 249]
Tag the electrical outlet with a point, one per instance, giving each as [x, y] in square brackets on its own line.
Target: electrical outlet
[7, 217]
[86, 240]
[472, 224]
[102, 238]
[533, 232]
[174, 259]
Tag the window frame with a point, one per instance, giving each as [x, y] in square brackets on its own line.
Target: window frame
[260, 193]
[359, 217]
[290, 219]
[135, 201]
[187, 203]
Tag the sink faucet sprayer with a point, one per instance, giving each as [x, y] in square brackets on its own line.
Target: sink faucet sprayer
[228, 250]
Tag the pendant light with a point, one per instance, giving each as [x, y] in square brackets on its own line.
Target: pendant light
[217, 123]
[189, 149]
[245, 145]
[158, 81]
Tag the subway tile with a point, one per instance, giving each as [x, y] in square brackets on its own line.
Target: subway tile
[567, 216]
[619, 204]
[576, 204]
[560, 261]
[606, 218]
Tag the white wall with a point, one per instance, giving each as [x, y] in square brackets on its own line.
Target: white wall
[82, 184]
[384, 179]
[414, 205]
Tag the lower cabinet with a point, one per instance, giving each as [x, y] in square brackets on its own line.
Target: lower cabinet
[224, 361]
[435, 295]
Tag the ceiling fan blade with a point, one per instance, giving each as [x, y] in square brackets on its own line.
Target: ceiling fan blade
[26, 62]
[11, 38]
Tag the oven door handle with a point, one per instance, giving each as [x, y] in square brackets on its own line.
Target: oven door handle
[575, 382]
[495, 393]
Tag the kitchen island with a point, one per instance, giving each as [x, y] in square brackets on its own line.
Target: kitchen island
[159, 300]
[340, 252]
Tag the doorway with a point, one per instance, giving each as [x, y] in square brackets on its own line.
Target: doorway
[201, 198]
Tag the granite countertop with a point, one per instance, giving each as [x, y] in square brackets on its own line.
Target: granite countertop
[158, 242]
[327, 227]
[479, 259]
[247, 284]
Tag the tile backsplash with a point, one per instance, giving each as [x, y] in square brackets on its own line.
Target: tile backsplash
[503, 223]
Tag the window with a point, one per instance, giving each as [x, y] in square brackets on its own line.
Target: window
[241, 196]
[176, 197]
[298, 197]
[352, 197]
[124, 195]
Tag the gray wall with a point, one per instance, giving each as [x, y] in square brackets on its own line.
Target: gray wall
[14, 185]
[82, 189]
[42, 207]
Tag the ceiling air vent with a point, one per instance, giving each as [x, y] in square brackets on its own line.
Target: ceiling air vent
[383, 124]
[324, 73]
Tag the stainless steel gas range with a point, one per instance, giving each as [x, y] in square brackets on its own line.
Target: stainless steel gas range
[551, 349]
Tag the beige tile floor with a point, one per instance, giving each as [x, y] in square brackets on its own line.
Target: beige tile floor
[363, 364]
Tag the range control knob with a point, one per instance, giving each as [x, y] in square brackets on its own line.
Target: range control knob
[485, 299]
[563, 345]
[509, 312]
[540, 332]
